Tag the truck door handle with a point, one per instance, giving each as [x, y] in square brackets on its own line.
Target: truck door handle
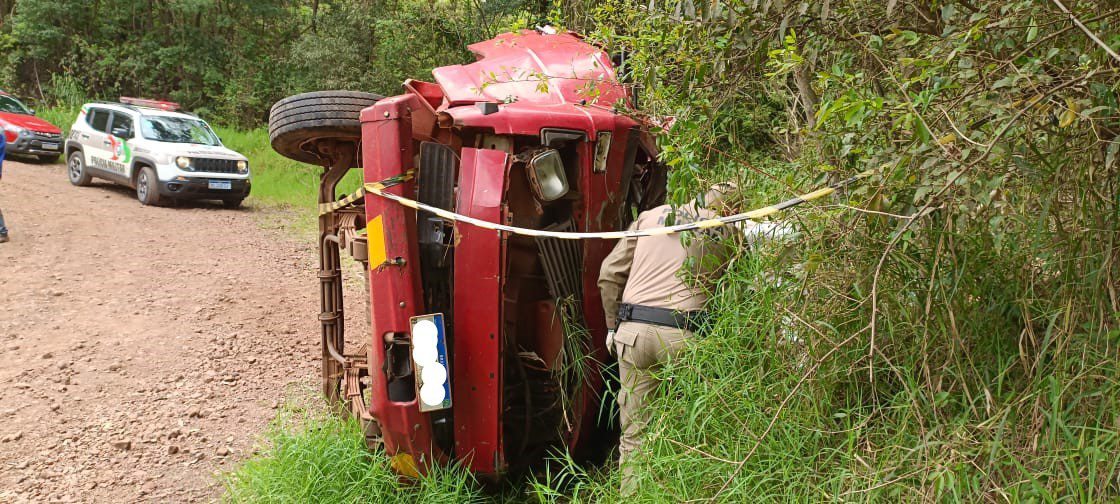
[106, 143]
[85, 137]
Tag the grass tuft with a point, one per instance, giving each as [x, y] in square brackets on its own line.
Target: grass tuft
[310, 456]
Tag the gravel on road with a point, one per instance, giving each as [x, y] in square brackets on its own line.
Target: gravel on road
[142, 349]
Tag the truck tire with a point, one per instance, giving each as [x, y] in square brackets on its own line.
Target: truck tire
[147, 187]
[76, 169]
[296, 122]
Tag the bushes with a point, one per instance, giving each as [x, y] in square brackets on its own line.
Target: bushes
[948, 331]
[232, 60]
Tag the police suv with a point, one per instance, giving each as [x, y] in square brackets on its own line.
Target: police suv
[150, 146]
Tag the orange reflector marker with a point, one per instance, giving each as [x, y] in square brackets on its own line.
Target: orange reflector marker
[375, 237]
[404, 465]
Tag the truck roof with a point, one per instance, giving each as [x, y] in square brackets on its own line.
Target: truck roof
[528, 75]
[533, 67]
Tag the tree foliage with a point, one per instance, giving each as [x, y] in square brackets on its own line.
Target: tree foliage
[234, 59]
[947, 331]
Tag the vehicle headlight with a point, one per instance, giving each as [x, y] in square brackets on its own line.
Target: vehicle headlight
[242, 167]
[183, 163]
[546, 175]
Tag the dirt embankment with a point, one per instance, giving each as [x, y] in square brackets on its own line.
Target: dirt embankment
[142, 349]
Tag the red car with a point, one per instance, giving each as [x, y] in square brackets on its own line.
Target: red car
[487, 348]
[27, 134]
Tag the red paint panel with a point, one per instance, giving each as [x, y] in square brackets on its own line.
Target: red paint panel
[528, 118]
[33, 123]
[394, 289]
[477, 299]
[533, 67]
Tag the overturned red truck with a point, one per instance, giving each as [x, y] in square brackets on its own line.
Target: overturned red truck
[487, 347]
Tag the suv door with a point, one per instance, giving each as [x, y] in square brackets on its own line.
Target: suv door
[120, 133]
[96, 146]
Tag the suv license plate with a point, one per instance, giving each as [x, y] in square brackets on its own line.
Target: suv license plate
[50, 146]
[221, 184]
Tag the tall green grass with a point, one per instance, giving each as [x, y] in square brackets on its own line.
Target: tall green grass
[279, 181]
[309, 456]
[63, 117]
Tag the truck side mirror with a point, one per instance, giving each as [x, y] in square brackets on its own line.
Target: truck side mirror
[31, 111]
[546, 175]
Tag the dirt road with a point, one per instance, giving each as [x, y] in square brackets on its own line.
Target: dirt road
[142, 349]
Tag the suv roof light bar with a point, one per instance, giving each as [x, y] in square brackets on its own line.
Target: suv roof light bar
[157, 104]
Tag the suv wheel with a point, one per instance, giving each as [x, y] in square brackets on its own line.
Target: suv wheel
[298, 122]
[147, 187]
[232, 204]
[76, 169]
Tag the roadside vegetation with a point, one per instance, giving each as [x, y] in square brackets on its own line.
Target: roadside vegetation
[947, 331]
[309, 456]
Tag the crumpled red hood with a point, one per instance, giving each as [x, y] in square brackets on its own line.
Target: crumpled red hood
[29, 121]
[531, 67]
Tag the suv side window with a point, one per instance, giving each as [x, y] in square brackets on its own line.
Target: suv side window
[99, 120]
[121, 121]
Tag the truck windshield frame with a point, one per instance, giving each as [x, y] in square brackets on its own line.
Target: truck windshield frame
[11, 105]
[178, 130]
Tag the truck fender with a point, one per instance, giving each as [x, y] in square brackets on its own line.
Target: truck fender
[71, 146]
[142, 160]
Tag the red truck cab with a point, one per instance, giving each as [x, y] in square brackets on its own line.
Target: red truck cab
[27, 134]
[534, 134]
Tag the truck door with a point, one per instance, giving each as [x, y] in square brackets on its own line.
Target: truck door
[119, 136]
[95, 141]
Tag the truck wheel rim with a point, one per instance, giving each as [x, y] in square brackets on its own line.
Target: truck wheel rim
[75, 168]
[142, 187]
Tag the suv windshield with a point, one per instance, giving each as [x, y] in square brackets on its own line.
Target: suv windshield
[9, 104]
[178, 130]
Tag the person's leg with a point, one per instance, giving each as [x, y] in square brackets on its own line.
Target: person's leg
[636, 380]
[666, 343]
[637, 365]
[3, 229]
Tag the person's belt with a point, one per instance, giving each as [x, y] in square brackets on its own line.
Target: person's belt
[691, 320]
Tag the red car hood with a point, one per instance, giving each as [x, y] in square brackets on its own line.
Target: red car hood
[530, 67]
[29, 121]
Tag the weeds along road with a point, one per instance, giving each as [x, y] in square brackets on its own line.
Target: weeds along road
[142, 349]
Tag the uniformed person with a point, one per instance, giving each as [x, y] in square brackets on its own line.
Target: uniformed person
[653, 303]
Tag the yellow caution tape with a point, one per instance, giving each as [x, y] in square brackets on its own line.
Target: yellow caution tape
[326, 208]
[378, 188]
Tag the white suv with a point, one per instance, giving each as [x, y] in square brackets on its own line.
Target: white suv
[163, 154]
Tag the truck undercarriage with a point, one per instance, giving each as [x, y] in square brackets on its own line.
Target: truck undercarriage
[486, 347]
